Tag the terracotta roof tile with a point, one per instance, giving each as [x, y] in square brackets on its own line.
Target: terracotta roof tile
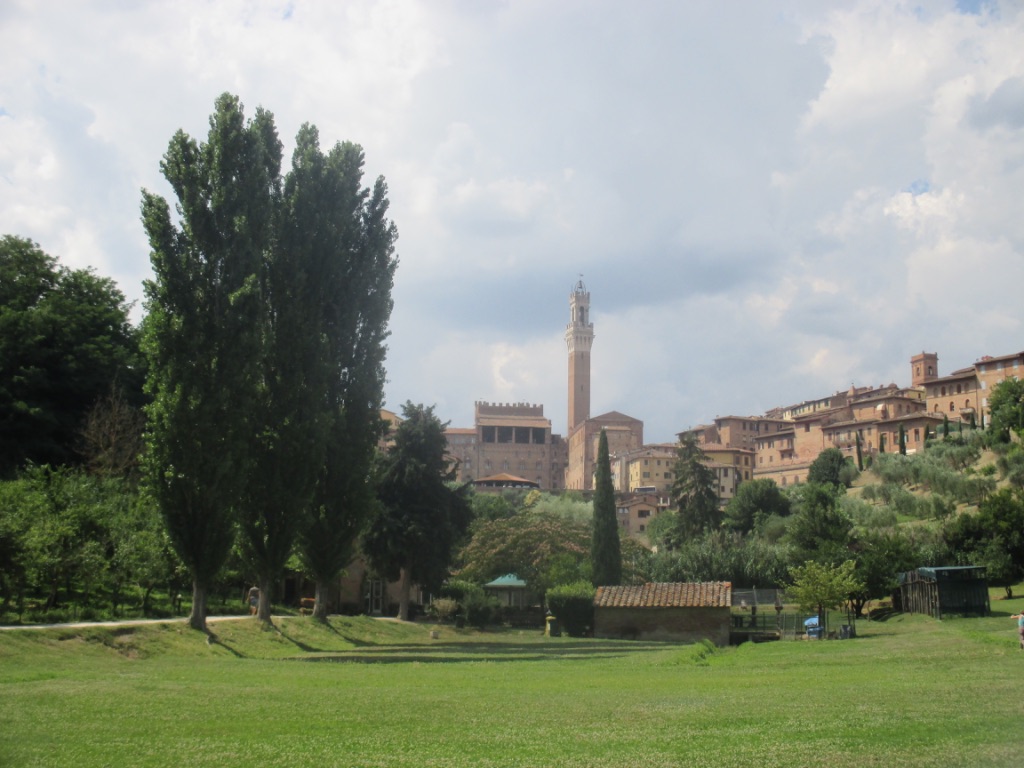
[712, 594]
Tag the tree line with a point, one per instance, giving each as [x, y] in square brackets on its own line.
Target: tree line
[240, 423]
[242, 418]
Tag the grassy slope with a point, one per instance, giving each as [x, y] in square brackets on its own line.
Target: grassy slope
[359, 692]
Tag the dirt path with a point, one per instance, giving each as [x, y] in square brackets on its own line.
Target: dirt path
[126, 623]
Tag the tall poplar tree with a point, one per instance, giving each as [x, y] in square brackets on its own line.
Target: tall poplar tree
[202, 331]
[605, 552]
[290, 417]
[353, 243]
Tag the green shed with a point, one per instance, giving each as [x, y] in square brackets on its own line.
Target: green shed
[937, 591]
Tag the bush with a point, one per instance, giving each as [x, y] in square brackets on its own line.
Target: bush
[480, 610]
[573, 606]
[444, 608]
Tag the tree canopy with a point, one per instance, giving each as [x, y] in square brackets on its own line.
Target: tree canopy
[755, 500]
[202, 333]
[828, 468]
[1006, 408]
[420, 518]
[65, 343]
[694, 491]
[544, 549]
[821, 587]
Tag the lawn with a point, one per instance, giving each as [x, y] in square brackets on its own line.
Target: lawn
[909, 691]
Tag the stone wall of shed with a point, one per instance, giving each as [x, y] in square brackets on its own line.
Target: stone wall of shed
[685, 625]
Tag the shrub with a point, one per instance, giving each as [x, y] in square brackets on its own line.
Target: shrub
[444, 608]
[573, 605]
[480, 610]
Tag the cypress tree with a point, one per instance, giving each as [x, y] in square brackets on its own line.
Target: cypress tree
[605, 552]
[903, 441]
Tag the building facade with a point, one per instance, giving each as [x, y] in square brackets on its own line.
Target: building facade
[509, 438]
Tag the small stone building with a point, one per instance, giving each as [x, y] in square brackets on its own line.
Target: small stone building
[684, 612]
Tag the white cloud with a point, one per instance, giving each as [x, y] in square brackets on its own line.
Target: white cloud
[766, 204]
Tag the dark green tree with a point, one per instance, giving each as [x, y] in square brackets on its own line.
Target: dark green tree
[202, 333]
[819, 529]
[1006, 409]
[903, 441]
[860, 454]
[827, 469]
[755, 500]
[352, 240]
[65, 342]
[945, 426]
[880, 557]
[994, 535]
[605, 551]
[694, 492]
[421, 518]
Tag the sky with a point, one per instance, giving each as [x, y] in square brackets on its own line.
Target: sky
[768, 201]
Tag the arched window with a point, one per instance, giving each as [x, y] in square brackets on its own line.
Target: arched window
[943, 393]
[952, 406]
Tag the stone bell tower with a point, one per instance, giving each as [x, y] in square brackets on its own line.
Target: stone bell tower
[579, 338]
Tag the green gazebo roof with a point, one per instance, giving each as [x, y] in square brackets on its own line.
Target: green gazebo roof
[508, 581]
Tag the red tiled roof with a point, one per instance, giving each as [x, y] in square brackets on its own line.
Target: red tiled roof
[711, 594]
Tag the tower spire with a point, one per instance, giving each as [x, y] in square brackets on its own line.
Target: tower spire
[579, 338]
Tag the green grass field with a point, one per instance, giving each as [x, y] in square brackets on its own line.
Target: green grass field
[909, 691]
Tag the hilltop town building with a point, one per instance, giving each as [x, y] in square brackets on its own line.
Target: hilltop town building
[509, 439]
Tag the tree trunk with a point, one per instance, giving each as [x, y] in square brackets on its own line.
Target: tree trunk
[197, 619]
[263, 605]
[404, 587]
[320, 607]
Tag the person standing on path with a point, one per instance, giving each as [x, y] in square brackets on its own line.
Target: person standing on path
[254, 600]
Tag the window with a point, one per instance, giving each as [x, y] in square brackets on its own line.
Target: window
[952, 406]
[917, 435]
[643, 513]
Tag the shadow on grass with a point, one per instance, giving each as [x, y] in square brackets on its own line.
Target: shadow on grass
[212, 639]
[455, 653]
